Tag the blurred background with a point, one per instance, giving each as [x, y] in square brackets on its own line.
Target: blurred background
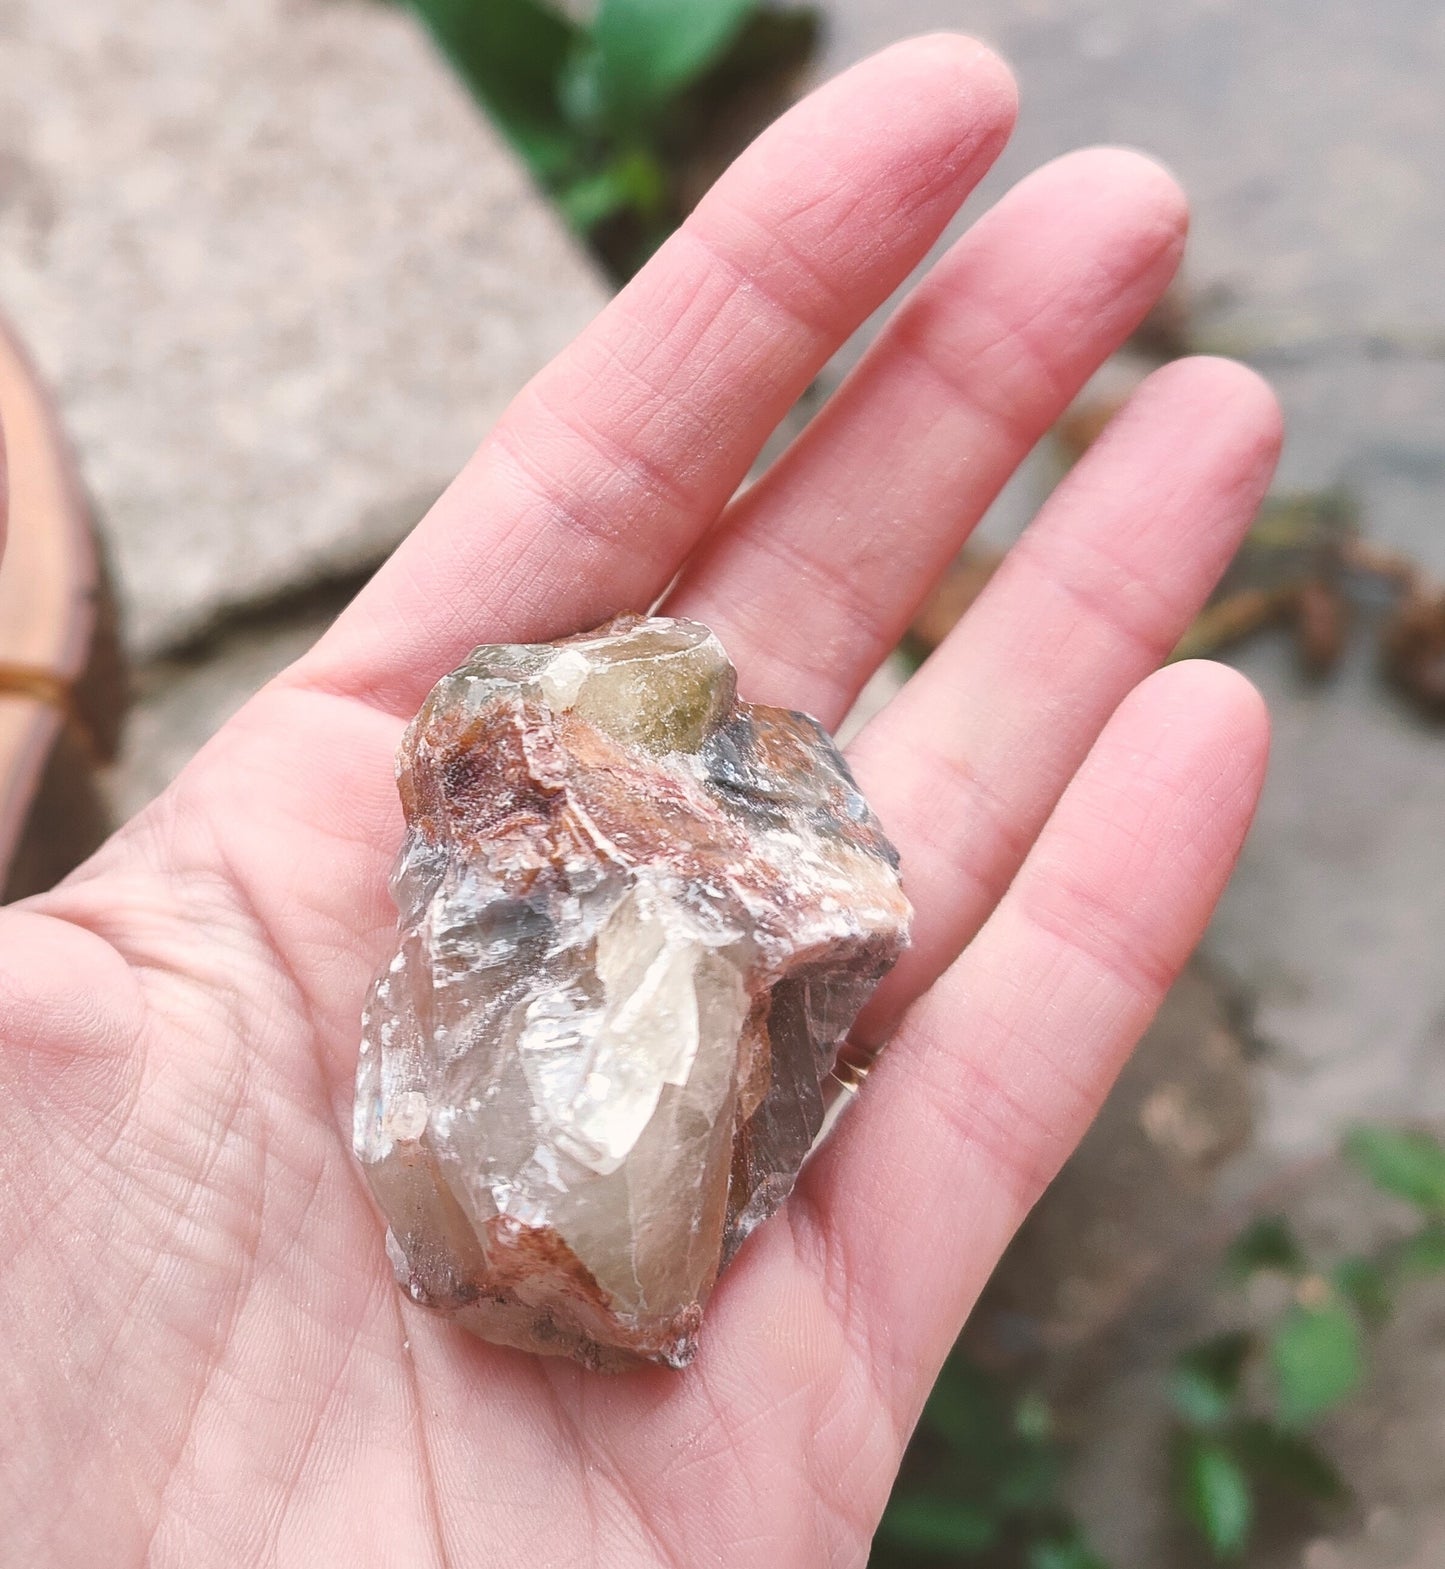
[282, 263]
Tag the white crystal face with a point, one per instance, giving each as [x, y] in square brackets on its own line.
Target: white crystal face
[597, 1080]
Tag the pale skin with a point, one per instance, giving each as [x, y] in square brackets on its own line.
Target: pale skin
[207, 1361]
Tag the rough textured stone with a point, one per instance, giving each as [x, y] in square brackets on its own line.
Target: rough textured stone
[637, 920]
[280, 271]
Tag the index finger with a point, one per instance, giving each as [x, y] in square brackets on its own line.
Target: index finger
[613, 462]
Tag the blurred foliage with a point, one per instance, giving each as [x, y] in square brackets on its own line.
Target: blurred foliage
[1245, 1402]
[608, 112]
[983, 1482]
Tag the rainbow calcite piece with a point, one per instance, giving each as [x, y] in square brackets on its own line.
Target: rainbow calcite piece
[637, 918]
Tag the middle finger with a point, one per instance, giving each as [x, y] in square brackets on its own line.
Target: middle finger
[814, 573]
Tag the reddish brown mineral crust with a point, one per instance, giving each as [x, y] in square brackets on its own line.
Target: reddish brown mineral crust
[637, 920]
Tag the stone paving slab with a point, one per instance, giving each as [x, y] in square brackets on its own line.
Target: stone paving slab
[281, 272]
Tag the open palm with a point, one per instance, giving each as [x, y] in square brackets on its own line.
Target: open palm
[207, 1361]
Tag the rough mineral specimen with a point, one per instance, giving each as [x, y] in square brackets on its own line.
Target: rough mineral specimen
[637, 920]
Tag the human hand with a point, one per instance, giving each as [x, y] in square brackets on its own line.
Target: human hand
[209, 1361]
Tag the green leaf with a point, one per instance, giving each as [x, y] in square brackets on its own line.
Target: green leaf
[1318, 1360]
[1204, 1382]
[1071, 1552]
[1199, 1400]
[1269, 1244]
[512, 54]
[1029, 1482]
[1424, 1253]
[592, 199]
[1364, 1283]
[649, 50]
[633, 181]
[579, 94]
[1214, 1494]
[1033, 1418]
[934, 1525]
[1409, 1165]
[969, 1410]
[1288, 1460]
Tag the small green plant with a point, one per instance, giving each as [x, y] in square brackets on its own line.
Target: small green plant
[982, 1484]
[603, 111]
[1245, 1402]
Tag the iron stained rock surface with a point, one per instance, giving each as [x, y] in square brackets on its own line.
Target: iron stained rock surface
[637, 918]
